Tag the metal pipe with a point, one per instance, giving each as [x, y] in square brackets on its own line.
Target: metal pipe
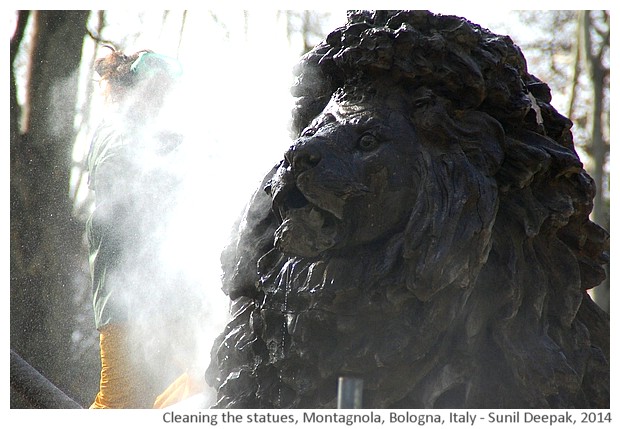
[350, 392]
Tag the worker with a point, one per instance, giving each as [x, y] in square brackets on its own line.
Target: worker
[131, 171]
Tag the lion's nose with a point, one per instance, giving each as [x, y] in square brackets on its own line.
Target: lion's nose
[303, 156]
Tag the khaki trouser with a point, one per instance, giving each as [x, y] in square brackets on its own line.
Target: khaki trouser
[125, 384]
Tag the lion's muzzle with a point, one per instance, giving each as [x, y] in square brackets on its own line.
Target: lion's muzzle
[310, 193]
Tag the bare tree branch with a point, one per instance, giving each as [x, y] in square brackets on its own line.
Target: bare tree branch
[16, 38]
[96, 37]
[181, 31]
[576, 69]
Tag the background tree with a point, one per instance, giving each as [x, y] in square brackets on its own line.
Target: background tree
[308, 25]
[47, 253]
[574, 60]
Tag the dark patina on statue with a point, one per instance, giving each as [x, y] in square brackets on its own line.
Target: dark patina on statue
[428, 231]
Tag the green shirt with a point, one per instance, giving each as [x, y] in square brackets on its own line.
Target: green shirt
[131, 170]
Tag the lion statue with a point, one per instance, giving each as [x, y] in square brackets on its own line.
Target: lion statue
[428, 232]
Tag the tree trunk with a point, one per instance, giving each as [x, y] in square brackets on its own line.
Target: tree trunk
[46, 241]
[597, 147]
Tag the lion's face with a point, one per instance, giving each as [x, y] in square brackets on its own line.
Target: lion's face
[346, 181]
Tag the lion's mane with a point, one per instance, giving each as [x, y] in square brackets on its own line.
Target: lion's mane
[481, 300]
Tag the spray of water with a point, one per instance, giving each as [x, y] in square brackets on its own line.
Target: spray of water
[172, 201]
[231, 106]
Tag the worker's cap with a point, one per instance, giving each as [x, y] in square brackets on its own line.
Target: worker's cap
[149, 64]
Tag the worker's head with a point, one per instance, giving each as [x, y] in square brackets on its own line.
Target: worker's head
[138, 82]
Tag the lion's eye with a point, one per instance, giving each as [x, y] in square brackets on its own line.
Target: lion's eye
[308, 132]
[368, 142]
